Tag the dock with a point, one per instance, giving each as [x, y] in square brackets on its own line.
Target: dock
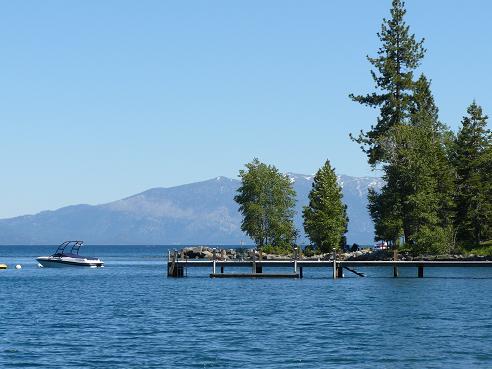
[254, 275]
[177, 267]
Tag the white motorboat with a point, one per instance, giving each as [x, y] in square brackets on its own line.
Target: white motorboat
[67, 259]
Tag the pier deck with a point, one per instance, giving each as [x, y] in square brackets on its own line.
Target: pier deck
[298, 265]
[254, 275]
[329, 263]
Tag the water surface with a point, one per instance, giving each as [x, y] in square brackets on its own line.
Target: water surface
[129, 314]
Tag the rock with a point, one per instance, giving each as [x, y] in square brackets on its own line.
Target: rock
[207, 254]
[197, 252]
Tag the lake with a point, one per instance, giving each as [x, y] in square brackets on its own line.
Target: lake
[130, 315]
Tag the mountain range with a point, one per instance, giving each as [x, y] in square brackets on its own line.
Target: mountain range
[196, 213]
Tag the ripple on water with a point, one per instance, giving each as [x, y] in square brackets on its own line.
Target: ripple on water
[131, 315]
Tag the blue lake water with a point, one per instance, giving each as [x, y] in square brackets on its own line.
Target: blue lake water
[130, 315]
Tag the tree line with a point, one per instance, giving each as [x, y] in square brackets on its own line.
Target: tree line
[266, 200]
[438, 184]
[437, 195]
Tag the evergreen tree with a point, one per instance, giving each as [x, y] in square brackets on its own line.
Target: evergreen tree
[474, 187]
[384, 208]
[416, 201]
[437, 145]
[398, 57]
[325, 218]
[410, 143]
[266, 200]
[488, 190]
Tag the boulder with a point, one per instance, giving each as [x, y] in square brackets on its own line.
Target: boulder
[206, 254]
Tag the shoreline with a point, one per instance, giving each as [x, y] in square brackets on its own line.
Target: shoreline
[367, 254]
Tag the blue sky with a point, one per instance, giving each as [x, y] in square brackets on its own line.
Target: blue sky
[103, 99]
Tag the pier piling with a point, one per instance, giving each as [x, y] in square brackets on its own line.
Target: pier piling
[174, 268]
[339, 271]
[396, 271]
[334, 264]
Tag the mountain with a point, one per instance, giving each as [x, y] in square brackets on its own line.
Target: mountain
[196, 213]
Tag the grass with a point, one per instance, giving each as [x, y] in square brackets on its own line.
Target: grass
[485, 249]
[276, 250]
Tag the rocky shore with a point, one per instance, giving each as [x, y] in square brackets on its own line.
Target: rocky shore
[207, 253]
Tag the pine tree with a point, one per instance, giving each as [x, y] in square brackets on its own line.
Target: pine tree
[398, 57]
[410, 143]
[474, 187]
[488, 190]
[266, 200]
[430, 200]
[325, 218]
[417, 197]
[437, 146]
[385, 213]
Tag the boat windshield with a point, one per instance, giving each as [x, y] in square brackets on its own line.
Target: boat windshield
[75, 256]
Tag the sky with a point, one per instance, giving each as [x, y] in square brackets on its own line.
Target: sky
[100, 100]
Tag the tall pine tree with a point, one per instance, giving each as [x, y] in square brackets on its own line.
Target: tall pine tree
[398, 57]
[410, 144]
[474, 187]
[325, 218]
[437, 147]
[418, 177]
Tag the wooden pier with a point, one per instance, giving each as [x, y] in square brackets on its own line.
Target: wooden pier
[254, 275]
[177, 268]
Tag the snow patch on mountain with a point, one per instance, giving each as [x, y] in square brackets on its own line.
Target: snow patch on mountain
[196, 213]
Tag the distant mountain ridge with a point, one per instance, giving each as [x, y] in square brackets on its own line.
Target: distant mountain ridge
[196, 213]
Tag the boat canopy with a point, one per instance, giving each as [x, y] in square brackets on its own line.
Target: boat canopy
[74, 250]
[75, 247]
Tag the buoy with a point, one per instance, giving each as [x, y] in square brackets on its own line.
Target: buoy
[3, 266]
[18, 266]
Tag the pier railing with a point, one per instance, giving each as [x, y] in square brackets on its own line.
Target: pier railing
[177, 267]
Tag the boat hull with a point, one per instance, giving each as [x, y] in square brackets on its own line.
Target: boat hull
[49, 262]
